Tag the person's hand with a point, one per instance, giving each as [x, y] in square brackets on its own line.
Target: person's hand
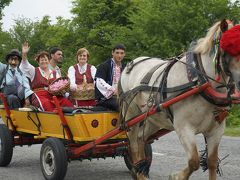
[25, 48]
[27, 102]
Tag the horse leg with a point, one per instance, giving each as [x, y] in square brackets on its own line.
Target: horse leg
[187, 139]
[137, 144]
[212, 147]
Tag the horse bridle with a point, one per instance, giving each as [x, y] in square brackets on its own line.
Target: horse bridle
[222, 61]
[225, 64]
[222, 69]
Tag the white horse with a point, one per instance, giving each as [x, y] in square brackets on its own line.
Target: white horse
[147, 82]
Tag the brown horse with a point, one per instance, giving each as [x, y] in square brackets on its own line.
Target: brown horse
[147, 82]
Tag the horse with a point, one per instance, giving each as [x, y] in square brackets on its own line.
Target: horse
[147, 82]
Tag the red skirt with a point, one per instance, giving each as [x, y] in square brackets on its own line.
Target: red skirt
[43, 100]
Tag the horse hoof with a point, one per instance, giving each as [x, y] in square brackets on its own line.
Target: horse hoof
[133, 174]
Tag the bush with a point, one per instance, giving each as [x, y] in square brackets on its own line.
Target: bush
[233, 120]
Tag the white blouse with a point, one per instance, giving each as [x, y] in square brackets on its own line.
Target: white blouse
[82, 69]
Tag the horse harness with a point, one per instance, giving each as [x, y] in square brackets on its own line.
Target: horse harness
[196, 76]
[161, 90]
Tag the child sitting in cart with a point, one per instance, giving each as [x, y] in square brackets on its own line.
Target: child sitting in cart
[40, 78]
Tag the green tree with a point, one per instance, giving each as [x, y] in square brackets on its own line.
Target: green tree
[40, 34]
[5, 44]
[22, 31]
[47, 35]
[3, 4]
[165, 28]
[99, 23]
[4, 37]
[161, 28]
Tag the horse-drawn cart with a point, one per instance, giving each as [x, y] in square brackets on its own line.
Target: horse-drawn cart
[74, 135]
[201, 94]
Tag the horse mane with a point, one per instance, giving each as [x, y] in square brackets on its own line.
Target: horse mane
[204, 45]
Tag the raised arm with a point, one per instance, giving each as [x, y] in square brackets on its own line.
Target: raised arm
[71, 75]
[25, 66]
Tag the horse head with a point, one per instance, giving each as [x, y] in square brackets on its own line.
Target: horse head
[230, 50]
[222, 46]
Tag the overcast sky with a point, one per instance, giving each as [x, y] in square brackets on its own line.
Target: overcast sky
[35, 10]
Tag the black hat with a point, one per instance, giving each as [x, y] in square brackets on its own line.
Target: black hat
[13, 52]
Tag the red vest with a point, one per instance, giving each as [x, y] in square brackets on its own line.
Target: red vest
[39, 81]
[79, 77]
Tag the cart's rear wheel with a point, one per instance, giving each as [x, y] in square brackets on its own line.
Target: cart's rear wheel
[148, 154]
[53, 159]
[6, 145]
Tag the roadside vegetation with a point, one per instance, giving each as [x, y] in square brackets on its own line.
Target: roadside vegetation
[233, 122]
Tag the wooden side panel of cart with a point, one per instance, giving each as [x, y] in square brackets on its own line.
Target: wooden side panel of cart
[80, 124]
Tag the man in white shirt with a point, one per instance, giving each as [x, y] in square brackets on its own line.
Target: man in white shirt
[107, 77]
[56, 56]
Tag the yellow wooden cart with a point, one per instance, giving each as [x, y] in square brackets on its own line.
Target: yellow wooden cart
[67, 134]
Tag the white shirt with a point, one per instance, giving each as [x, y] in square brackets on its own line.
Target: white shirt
[106, 89]
[82, 70]
[56, 69]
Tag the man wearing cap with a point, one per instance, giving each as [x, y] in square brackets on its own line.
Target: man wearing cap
[56, 56]
[13, 83]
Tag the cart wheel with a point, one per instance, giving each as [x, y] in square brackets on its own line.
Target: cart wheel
[148, 153]
[53, 159]
[6, 146]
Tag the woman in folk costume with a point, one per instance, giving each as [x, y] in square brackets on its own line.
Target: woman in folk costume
[40, 78]
[81, 77]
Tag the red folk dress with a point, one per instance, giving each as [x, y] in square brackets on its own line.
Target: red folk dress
[79, 81]
[42, 98]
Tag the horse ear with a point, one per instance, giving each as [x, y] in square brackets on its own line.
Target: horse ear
[224, 25]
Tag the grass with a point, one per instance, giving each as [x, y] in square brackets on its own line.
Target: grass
[232, 131]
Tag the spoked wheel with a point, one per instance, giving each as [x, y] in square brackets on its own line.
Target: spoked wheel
[148, 154]
[53, 159]
[6, 146]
